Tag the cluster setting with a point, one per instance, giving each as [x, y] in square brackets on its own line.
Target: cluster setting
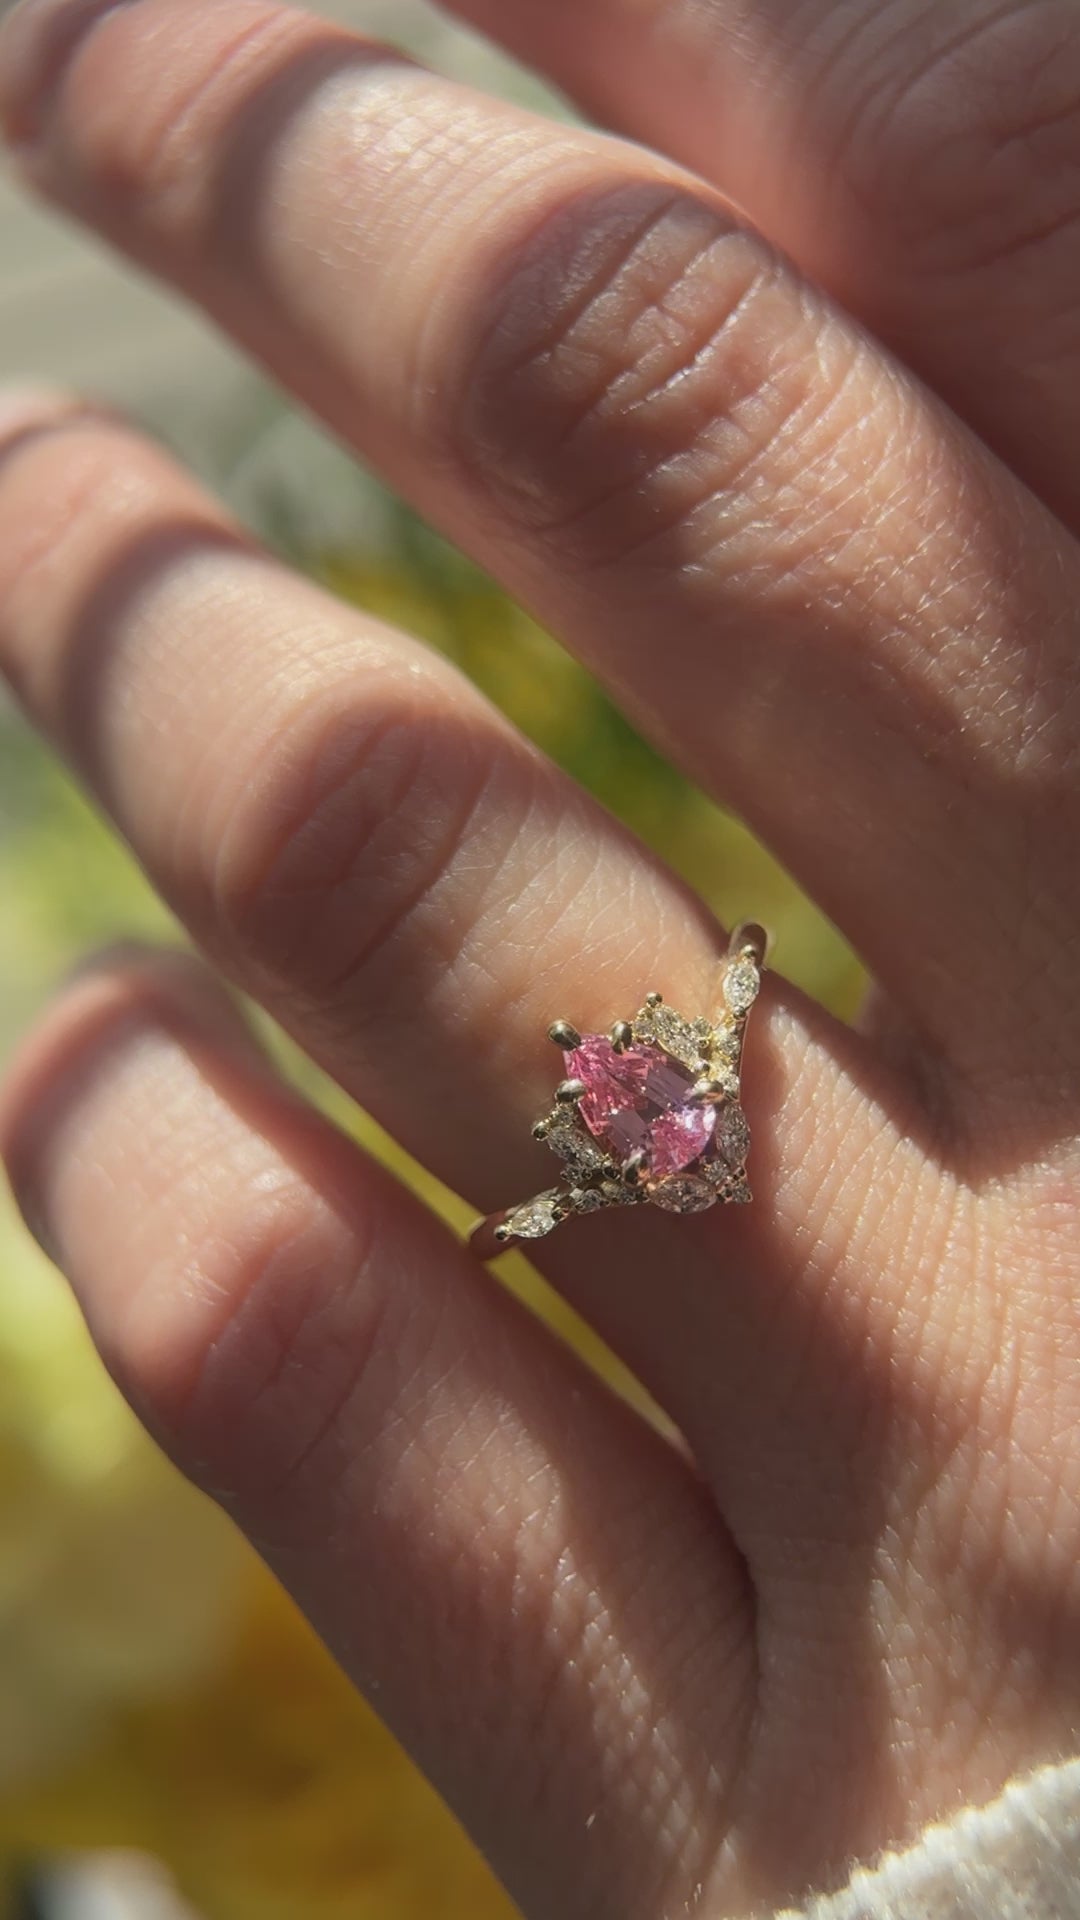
[650, 1112]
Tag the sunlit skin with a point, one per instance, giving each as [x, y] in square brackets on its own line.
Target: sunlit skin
[819, 537]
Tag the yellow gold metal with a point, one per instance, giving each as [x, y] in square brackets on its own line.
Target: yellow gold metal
[589, 1179]
[564, 1035]
[707, 1089]
[749, 941]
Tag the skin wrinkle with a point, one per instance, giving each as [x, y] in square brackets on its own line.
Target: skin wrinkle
[670, 546]
[557, 1529]
[144, 160]
[38, 47]
[202, 814]
[877, 98]
[681, 299]
[627, 1720]
[824, 1318]
[562, 525]
[37, 561]
[261, 1350]
[1006, 253]
[583, 1639]
[516, 354]
[284, 1257]
[916, 91]
[762, 102]
[167, 1369]
[872, 164]
[358, 769]
[526, 157]
[577, 304]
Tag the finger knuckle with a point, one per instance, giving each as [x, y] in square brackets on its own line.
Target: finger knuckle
[340, 831]
[142, 126]
[644, 354]
[61, 488]
[264, 1357]
[968, 140]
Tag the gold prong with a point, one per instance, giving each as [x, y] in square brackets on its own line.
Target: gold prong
[750, 942]
[564, 1035]
[654, 999]
[703, 1092]
[541, 1130]
[489, 1236]
[632, 1170]
[570, 1092]
[622, 1034]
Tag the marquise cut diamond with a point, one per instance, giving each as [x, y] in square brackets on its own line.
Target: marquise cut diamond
[541, 1216]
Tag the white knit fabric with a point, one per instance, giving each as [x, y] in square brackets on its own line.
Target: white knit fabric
[1016, 1859]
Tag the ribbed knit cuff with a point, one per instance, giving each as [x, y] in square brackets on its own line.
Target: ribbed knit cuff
[1016, 1859]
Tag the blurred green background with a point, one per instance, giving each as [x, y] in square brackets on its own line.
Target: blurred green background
[156, 1689]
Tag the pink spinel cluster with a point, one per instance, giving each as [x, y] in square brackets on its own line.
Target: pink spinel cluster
[639, 1102]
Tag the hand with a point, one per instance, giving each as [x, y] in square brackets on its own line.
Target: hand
[647, 1677]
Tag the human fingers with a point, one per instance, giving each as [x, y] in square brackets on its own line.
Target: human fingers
[362, 843]
[526, 1580]
[290, 774]
[919, 161]
[632, 410]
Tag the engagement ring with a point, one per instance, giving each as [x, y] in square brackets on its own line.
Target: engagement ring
[649, 1113]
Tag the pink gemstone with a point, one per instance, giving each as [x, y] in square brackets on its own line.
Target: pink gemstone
[638, 1102]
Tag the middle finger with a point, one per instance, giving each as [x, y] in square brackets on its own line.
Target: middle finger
[572, 358]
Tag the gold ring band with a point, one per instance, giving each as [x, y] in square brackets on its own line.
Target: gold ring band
[649, 1113]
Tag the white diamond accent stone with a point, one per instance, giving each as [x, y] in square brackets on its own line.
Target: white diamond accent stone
[742, 983]
[682, 1194]
[587, 1199]
[570, 1140]
[537, 1218]
[726, 1045]
[617, 1195]
[732, 1136]
[673, 1033]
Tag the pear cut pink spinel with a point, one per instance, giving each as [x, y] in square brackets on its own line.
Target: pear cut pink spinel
[639, 1101]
